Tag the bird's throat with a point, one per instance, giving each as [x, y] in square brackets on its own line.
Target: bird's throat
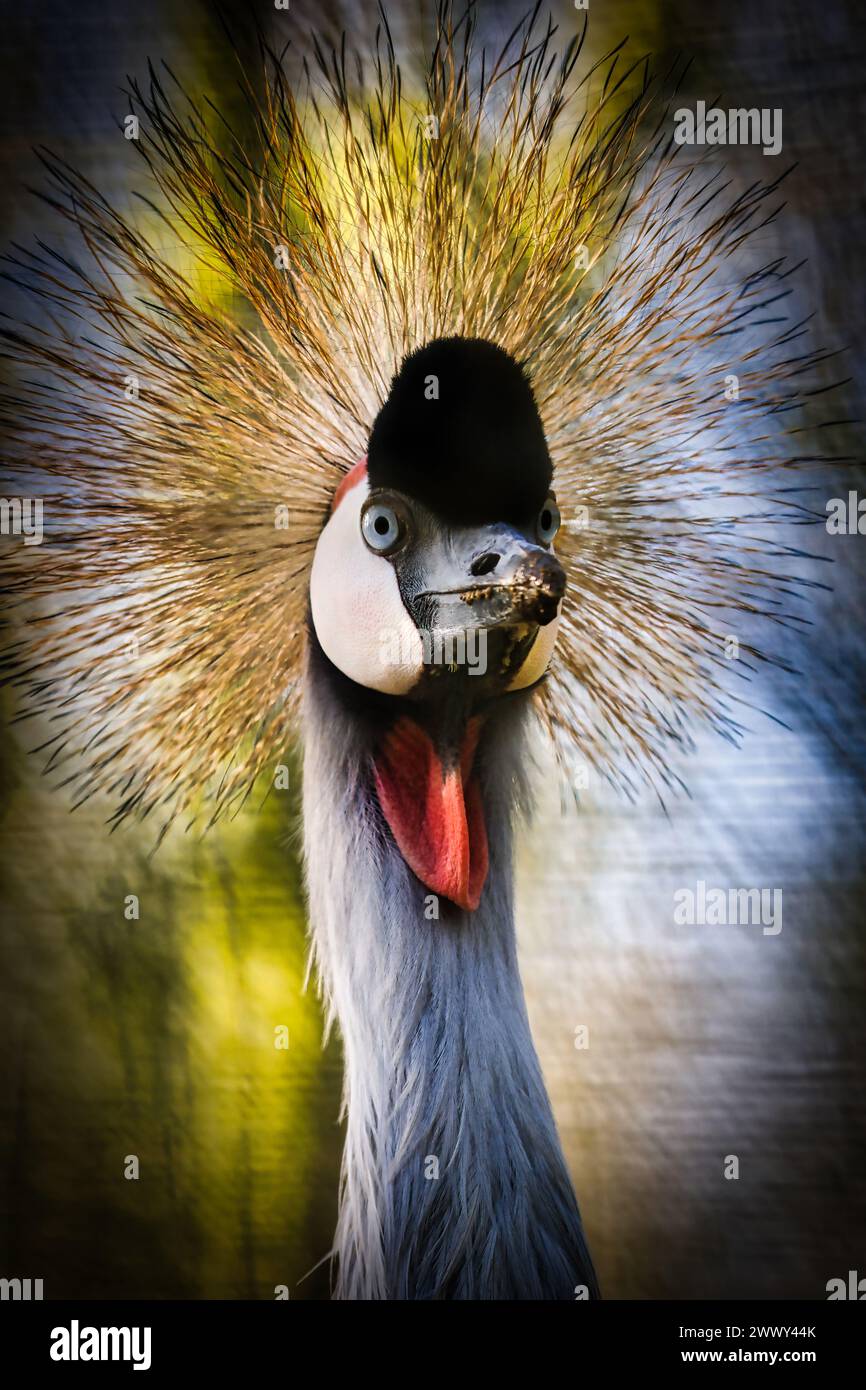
[432, 802]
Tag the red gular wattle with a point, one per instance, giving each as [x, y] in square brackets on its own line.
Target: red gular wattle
[435, 811]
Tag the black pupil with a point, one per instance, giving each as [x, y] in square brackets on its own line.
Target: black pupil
[381, 525]
[546, 520]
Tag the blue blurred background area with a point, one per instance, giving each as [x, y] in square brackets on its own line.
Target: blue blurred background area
[154, 1036]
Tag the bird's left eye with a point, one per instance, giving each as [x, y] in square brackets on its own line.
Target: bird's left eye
[548, 521]
[382, 528]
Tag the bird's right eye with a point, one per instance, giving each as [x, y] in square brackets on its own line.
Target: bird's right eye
[382, 528]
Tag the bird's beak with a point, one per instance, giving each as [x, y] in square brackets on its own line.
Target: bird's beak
[524, 586]
[491, 581]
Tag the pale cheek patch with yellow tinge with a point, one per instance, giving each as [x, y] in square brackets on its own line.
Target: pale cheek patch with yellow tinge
[539, 656]
[358, 612]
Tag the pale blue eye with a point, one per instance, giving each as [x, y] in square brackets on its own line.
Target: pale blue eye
[380, 527]
[549, 521]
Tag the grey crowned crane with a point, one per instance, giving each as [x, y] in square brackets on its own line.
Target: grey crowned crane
[454, 1183]
[448, 306]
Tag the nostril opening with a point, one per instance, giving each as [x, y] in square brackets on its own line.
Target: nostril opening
[484, 564]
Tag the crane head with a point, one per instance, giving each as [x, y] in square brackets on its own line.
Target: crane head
[435, 582]
[435, 573]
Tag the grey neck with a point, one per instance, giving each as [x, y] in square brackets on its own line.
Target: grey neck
[453, 1182]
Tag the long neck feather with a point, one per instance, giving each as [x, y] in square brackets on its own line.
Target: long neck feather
[453, 1184]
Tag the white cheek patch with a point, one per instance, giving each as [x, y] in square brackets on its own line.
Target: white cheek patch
[358, 614]
[538, 658]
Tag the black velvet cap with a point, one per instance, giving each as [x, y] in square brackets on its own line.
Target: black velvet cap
[461, 433]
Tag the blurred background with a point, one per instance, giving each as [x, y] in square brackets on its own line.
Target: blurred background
[155, 1037]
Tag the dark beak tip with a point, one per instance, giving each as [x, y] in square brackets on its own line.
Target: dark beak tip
[543, 572]
[555, 585]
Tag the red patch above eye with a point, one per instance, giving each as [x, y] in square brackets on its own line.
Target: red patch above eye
[435, 814]
[353, 476]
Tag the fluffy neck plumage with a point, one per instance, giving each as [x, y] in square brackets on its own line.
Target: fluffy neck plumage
[454, 1184]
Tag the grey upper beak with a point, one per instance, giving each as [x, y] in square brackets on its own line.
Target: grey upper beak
[490, 576]
[535, 577]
